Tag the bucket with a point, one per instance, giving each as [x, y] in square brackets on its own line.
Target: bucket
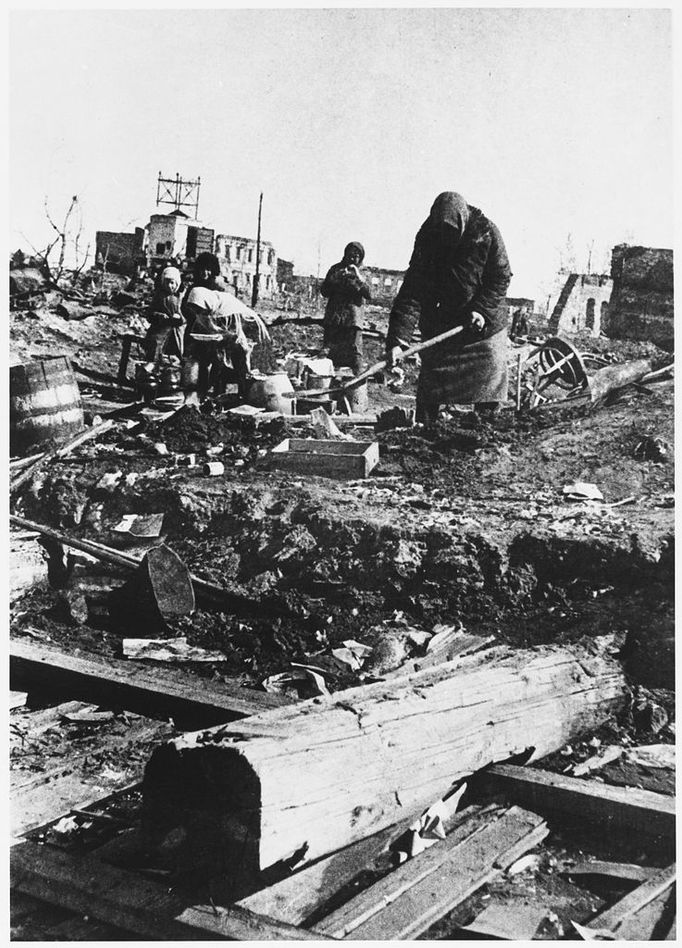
[268, 393]
[169, 379]
[318, 381]
[45, 403]
[357, 398]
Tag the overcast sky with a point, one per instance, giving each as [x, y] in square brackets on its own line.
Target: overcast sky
[552, 121]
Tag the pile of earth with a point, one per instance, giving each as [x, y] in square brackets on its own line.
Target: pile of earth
[190, 430]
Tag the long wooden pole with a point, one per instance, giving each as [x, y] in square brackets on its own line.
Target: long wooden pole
[256, 277]
[379, 366]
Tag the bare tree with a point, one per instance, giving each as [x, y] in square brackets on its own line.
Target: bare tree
[68, 236]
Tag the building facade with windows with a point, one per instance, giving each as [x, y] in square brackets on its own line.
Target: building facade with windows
[174, 235]
[384, 284]
[237, 257]
[582, 305]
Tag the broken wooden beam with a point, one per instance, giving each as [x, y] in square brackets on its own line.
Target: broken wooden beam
[614, 377]
[135, 686]
[60, 452]
[405, 903]
[623, 808]
[319, 775]
[85, 885]
[622, 918]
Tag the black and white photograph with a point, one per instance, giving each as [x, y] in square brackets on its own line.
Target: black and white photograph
[341, 472]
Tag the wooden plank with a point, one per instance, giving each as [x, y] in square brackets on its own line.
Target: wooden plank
[614, 807]
[83, 884]
[407, 902]
[60, 452]
[623, 914]
[80, 928]
[34, 723]
[295, 898]
[329, 771]
[613, 870]
[40, 798]
[135, 686]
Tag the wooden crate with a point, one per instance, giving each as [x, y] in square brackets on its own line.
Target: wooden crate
[344, 459]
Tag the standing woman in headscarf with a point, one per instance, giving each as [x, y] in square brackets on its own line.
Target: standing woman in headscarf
[458, 276]
[346, 292]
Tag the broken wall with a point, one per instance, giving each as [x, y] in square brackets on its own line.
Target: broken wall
[642, 303]
[582, 305]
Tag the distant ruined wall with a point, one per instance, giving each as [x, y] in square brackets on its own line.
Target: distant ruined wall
[582, 305]
[642, 303]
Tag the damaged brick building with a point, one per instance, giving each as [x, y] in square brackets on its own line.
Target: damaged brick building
[582, 305]
[642, 302]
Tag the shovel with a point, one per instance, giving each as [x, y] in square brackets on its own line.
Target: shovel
[378, 366]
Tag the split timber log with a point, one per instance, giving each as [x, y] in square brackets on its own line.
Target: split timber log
[613, 377]
[316, 777]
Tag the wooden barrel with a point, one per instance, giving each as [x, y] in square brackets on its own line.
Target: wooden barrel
[45, 404]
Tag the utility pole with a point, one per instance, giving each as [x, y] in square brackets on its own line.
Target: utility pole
[256, 277]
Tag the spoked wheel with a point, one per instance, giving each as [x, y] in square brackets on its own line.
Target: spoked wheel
[552, 372]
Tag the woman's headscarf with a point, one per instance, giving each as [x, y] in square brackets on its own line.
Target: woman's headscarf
[215, 311]
[450, 210]
[354, 245]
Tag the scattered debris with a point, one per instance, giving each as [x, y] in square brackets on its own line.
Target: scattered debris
[605, 756]
[303, 681]
[653, 449]
[168, 650]
[652, 755]
[510, 920]
[352, 655]
[17, 699]
[582, 491]
[141, 525]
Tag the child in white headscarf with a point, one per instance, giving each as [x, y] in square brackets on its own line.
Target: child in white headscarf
[166, 323]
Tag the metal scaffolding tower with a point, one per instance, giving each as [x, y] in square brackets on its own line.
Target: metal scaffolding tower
[178, 192]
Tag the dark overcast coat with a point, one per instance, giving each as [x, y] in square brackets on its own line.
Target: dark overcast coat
[345, 295]
[449, 279]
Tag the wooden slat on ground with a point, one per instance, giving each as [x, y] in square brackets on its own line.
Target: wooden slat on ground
[407, 902]
[135, 686]
[303, 893]
[612, 870]
[618, 807]
[38, 798]
[637, 915]
[84, 884]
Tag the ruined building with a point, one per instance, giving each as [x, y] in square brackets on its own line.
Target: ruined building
[642, 302]
[383, 283]
[120, 252]
[176, 235]
[237, 256]
[582, 305]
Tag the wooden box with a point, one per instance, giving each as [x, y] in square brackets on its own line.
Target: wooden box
[344, 459]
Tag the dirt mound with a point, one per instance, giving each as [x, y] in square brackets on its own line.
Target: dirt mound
[192, 430]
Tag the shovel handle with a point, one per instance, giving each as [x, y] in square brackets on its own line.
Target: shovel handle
[379, 366]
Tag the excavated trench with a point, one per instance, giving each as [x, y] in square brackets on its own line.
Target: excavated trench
[459, 525]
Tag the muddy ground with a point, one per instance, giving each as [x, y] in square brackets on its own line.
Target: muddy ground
[462, 523]
[462, 526]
